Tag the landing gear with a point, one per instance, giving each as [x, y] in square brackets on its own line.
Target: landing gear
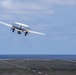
[12, 29]
[26, 33]
[19, 32]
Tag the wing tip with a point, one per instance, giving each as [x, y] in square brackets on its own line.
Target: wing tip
[42, 33]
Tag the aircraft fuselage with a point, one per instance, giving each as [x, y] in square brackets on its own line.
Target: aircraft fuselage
[20, 30]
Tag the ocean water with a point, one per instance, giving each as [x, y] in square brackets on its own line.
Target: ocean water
[40, 57]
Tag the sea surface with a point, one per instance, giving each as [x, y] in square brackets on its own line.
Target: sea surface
[40, 57]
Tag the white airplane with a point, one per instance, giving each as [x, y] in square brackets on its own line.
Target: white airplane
[23, 28]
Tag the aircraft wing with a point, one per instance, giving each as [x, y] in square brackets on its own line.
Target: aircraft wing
[21, 24]
[35, 32]
[6, 24]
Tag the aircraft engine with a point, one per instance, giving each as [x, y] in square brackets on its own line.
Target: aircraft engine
[13, 29]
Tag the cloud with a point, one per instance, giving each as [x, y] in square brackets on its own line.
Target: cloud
[65, 36]
[71, 2]
[18, 4]
[30, 9]
[5, 3]
[24, 6]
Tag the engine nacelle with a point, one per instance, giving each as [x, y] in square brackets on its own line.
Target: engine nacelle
[19, 32]
[12, 29]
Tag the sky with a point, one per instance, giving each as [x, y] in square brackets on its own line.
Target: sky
[55, 18]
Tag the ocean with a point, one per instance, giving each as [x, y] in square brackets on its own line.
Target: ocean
[40, 57]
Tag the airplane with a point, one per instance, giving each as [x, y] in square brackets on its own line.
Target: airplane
[21, 28]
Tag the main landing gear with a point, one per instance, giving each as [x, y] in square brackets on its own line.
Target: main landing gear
[26, 33]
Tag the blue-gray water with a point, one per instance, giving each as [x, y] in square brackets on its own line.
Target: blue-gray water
[40, 57]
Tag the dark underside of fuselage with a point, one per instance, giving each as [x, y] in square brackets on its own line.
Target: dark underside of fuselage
[20, 30]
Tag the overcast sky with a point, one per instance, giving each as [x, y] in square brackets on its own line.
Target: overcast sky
[55, 18]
